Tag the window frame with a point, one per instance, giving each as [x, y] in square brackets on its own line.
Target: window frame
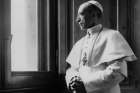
[48, 67]
[18, 81]
[45, 38]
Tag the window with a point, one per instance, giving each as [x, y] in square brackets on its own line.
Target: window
[34, 30]
[31, 55]
[24, 29]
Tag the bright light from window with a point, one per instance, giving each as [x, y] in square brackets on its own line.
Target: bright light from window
[24, 28]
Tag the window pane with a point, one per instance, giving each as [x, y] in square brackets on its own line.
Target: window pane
[24, 28]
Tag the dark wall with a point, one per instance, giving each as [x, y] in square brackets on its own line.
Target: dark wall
[137, 33]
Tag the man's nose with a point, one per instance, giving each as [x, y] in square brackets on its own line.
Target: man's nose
[78, 20]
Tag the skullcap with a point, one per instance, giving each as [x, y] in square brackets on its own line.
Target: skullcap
[97, 4]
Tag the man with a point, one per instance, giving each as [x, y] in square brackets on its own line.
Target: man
[98, 60]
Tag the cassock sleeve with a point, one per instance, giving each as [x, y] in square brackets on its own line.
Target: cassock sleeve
[70, 73]
[74, 56]
[73, 59]
[105, 79]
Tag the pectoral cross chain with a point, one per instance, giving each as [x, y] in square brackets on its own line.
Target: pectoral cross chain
[84, 60]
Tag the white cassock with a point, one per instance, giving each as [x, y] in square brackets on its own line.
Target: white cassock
[105, 67]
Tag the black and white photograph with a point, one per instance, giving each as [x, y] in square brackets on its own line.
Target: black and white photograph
[69, 46]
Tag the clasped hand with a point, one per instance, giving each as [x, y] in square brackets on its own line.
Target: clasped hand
[77, 85]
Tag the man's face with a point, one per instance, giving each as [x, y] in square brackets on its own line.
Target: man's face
[86, 19]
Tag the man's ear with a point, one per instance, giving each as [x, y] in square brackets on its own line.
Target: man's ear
[94, 14]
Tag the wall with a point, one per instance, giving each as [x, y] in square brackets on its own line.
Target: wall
[137, 33]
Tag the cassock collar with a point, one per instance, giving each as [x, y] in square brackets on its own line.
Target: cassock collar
[94, 29]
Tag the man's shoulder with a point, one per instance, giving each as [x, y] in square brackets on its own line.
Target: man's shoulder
[79, 41]
[112, 35]
[109, 33]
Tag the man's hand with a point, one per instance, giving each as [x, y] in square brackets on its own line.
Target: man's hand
[77, 85]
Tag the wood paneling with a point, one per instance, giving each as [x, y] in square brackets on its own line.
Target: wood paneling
[136, 31]
[5, 39]
[62, 34]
